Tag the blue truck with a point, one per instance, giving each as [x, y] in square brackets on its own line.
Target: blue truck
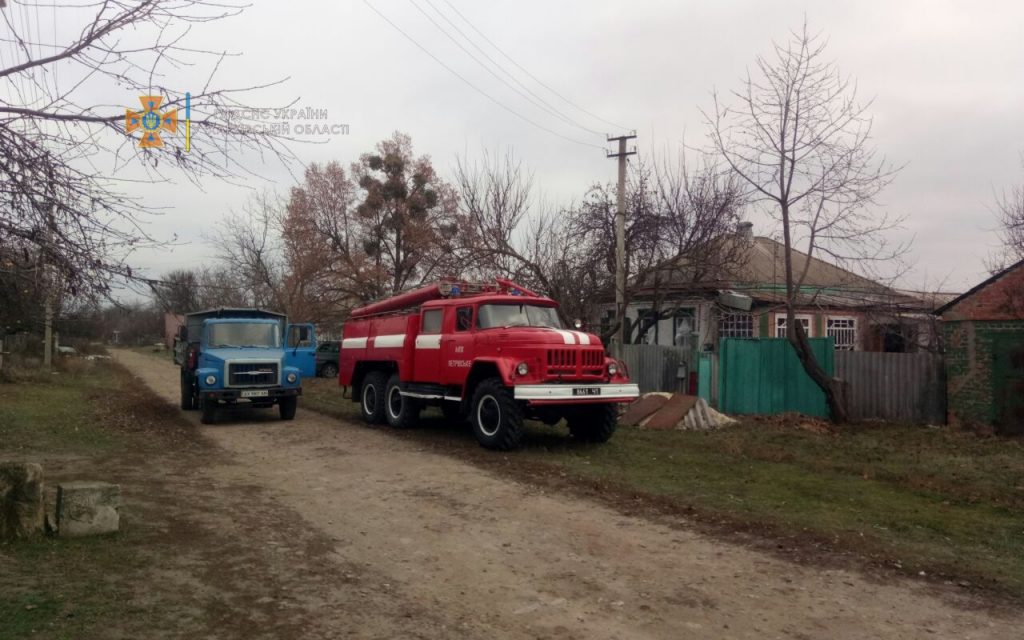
[243, 357]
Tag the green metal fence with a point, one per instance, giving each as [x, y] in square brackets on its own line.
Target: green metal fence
[764, 376]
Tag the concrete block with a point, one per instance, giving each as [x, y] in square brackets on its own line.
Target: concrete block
[87, 508]
[22, 504]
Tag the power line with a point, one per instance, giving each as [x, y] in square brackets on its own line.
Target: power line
[474, 87]
[546, 105]
[535, 78]
[26, 44]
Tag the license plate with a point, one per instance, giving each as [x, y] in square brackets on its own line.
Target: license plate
[586, 391]
[255, 393]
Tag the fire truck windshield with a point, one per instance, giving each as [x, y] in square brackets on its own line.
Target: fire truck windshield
[492, 316]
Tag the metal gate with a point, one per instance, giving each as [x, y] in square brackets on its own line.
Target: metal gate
[1008, 384]
[764, 376]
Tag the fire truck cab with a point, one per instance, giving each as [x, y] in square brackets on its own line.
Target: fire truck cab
[494, 354]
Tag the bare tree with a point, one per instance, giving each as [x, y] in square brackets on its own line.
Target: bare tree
[674, 220]
[679, 225]
[1010, 213]
[406, 217]
[177, 291]
[249, 248]
[506, 233]
[63, 150]
[801, 141]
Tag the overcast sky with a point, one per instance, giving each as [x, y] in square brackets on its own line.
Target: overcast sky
[946, 78]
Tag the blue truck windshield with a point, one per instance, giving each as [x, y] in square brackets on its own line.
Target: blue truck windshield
[242, 334]
[493, 316]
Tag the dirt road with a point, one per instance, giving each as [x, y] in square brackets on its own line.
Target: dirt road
[469, 554]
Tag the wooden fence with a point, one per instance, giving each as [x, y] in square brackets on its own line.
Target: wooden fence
[653, 367]
[909, 387]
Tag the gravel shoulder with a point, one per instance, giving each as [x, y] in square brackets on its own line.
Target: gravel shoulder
[456, 551]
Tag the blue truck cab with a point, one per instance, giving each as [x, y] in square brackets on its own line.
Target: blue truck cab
[243, 357]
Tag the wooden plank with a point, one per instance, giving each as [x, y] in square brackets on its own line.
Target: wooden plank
[669, 415]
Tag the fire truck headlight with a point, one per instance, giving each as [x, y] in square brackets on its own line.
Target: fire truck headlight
[292, 378]
[612, 368]
[523, 369]
[211, 380]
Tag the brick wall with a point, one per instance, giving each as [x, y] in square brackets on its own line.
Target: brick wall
[1000, 300]
[969, 367]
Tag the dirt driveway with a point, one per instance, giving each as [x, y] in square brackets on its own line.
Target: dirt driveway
[465, 553]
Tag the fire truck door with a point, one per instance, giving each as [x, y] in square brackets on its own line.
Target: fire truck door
[457, 346]
[427, 360]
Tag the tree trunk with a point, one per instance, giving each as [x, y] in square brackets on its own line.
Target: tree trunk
[834, 388]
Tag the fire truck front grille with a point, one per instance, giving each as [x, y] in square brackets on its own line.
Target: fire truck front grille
[593, 362]
[575, 362]
[562, 361]
[252, 374]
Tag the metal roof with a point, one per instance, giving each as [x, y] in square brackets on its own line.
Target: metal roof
[760, 273]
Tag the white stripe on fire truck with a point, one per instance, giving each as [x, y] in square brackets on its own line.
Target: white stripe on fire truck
[567, 336]
[584, 338]
[353, 343]
[392, 340]
[428, 342]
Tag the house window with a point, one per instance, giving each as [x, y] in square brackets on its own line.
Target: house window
[684, 324]
[844, 330]
[647, 332]
[780, 324]
[607, 321]
[736, 325]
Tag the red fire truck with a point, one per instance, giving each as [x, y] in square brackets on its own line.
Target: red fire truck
[494, 354]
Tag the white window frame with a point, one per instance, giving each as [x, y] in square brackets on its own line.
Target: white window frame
[805, 318]
[642, 315]
[680, 313]
[727, 319]
[838, 332]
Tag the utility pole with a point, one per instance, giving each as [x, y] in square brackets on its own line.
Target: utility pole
[48, 312]
[48, 280]
[620, 239]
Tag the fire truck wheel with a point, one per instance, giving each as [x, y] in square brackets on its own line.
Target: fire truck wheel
[496, 417]
[372, 398]
[401, 412]
[593, 423]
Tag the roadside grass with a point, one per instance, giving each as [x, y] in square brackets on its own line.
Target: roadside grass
[51, 412]
[913, 498]
[324, 395]
[910, 498]
[68, 588]
[71, 421]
